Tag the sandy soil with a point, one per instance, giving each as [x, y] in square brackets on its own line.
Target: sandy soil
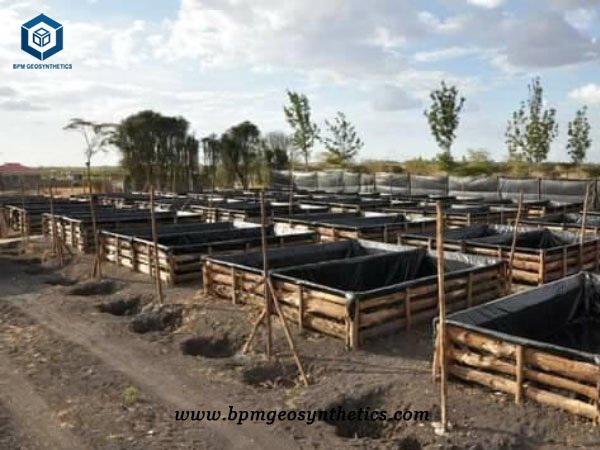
[74, 373]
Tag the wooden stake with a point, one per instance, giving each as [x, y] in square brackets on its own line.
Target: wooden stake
[254, 330]
[583, 223]
[24, 227]
[288, 335]
[56, 245]
[441, 353]
[263, 236]
[514, 242]
[159, 291]
[291, 172]
[519, 374]
[97, 271]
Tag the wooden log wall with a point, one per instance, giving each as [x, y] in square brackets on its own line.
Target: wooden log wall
[389, 234]
[540, 211]
[329, 314]
[138, 255]
[532, 267]
[524, 372]
[463, 219]
[571, 228]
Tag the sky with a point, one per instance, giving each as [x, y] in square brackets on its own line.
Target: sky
[220, 62]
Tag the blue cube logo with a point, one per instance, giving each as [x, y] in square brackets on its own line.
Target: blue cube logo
[42, 37]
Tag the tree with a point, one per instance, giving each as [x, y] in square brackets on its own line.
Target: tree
[157, 150]
[298, 115]
[97, 137]
[240, 150]
[211, 150]
[476, 162]
[579, 136]
[532, 128]
[443, 118]
[343, 142]
[276, 150]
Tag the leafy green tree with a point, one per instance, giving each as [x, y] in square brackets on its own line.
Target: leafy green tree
[443, 118]
[276, 150]
[240, 151]
[532, 128]
[97, 137]
[298, 115]
[157, 150]
[343, 143]
[211, 150]
[476, 162]
[579, 136]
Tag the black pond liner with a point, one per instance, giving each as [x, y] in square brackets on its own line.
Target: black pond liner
[371, 274]
[309, 219]
[144, 230]
[363, 223]
[303, 254]
[501, 236]
[214, 241]
[448, 209]
[114, 216]
[562, 316]
[565, 219]
[198, 238]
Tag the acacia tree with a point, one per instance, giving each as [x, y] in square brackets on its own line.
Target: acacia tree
[443, 118]
[579, 136]
[298, 115]
[97, 137]
[532, 128]
[211, 150]
[343, 142]
[240, 149]
[157, 150]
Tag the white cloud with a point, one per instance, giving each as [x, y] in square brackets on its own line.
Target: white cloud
[582, 18]
[393, 98]
[588, 94]
[489, 4]
[547, 40]
[443, 54]
[451, 24]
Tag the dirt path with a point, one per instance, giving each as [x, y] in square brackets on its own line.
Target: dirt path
[159, 375]
[30, 411]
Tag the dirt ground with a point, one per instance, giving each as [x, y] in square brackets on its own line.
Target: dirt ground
[101, 365]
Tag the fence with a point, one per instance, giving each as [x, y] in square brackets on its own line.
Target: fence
[488, 187]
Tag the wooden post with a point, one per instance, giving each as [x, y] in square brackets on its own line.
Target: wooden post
[583, 223]
[291, 186]
[301, 308]
[441, 352]
[56, 245]
[234, 287]
[24, 220]
[407, 309]
[97, 270]
[519, 374]
[159, 291]
[263, 238]
[514, 242]
[470, 290]
[287, 333]
[597, 421]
